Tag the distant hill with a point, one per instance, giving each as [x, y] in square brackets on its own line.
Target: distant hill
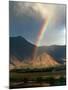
[21, 54]
[20, 48]
[58, 52]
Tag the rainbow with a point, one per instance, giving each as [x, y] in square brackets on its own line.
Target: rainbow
[41, 34]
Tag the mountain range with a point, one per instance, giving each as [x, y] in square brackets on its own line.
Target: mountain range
[22, 54]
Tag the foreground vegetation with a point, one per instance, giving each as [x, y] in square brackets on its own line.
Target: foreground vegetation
[54, 76]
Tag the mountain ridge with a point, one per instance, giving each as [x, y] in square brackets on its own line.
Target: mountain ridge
[21, 51]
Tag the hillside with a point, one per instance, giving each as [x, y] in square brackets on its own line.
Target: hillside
[21, 54]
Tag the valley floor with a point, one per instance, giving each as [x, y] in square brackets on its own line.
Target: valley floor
[37, 79]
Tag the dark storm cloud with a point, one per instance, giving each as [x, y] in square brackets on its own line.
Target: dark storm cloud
[27, 18]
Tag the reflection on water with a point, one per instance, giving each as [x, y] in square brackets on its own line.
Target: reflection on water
[39, 83]
[29, 84]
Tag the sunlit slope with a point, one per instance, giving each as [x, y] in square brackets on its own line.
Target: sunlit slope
[42, 61]
[21, 54]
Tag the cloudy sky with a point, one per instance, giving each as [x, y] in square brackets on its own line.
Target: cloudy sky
[26, 19]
